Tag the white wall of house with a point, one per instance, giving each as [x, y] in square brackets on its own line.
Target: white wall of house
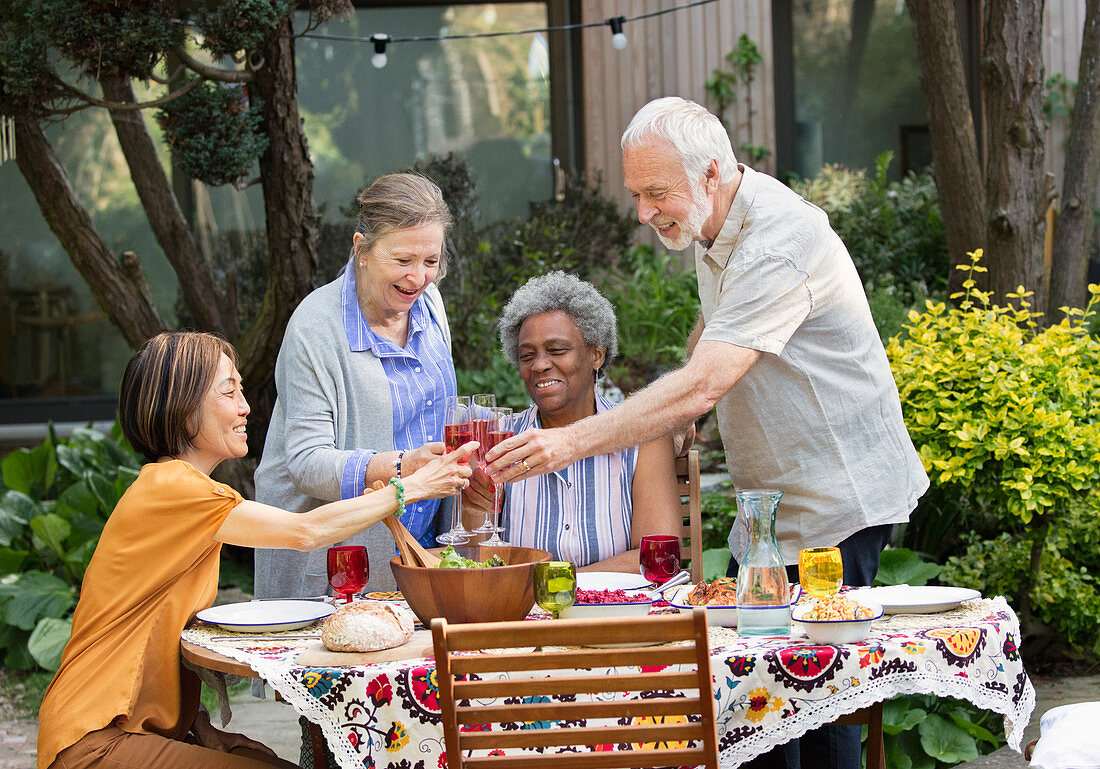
[668, 55]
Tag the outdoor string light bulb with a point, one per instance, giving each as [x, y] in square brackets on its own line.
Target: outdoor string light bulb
[379, 58]
[618, 39]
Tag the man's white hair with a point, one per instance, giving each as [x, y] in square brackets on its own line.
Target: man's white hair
[697, 136]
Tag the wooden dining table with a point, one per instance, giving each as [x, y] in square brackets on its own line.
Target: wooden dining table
[382, 709]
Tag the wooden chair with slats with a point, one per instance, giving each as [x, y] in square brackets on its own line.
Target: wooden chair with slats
[470, 695]
[691, 504]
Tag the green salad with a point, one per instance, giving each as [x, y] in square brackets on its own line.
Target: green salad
[449, 559]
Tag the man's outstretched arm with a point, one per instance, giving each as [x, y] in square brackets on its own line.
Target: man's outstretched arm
[664, 406]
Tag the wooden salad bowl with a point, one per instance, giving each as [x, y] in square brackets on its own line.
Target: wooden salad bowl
[493, 594]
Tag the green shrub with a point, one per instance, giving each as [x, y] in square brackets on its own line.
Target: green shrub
[656, 304]
[59, 496]
[923, 731]
[719, 511]
[1006, 418]
[893, 230]
[500, 377]
[583, 232]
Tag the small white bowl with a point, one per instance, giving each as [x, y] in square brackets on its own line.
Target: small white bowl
[724, 615]
[835, 631]
[590, 610]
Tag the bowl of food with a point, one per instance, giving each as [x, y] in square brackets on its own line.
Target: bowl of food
[836, 619]
[468, 593]
[608, 603]
[719, 596]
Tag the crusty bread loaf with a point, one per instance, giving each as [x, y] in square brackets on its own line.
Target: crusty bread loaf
[366, 626]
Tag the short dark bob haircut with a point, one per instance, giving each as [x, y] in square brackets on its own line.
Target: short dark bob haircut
[160, 399]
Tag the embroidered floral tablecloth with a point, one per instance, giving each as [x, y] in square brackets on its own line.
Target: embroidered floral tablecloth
[767, 690]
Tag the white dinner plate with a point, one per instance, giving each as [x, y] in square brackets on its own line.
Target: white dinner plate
[610, 580]
[265, 616]
[914, 599]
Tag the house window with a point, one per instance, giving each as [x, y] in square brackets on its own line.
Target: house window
[486, 99]
[849, 89]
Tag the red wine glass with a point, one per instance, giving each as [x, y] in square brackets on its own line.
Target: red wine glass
[457, 430]
[659, 557]
[348, 569]
[481, 412]
[500, 430]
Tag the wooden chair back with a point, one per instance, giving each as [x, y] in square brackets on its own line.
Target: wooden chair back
[691, 506]
[470, 694]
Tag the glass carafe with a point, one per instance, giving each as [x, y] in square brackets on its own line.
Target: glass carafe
[763, 594]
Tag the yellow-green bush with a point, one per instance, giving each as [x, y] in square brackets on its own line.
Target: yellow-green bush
[1005, 413]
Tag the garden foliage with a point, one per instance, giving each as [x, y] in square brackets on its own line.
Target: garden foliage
[656, 304]
[1005, 413]
[58, 496]
[893, 230]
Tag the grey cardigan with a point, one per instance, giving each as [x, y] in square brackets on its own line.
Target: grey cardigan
[330, 402]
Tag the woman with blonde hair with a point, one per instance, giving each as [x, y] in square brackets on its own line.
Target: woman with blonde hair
[363, 375]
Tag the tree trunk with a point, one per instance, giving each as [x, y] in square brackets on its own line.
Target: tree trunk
[121, 293]
[287, 178]
[1073, 238]
[1016, 187]
[954, 140]
[202, 295]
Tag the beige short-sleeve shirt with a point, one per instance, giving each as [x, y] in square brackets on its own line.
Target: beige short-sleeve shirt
[818, 416]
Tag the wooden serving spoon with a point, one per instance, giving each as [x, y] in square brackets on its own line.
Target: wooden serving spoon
[412, 552]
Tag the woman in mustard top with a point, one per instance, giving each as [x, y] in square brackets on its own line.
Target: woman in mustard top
[120, 697]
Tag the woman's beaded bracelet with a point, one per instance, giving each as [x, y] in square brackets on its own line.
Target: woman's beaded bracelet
[396, 483]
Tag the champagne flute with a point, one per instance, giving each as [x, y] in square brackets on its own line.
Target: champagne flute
[555, 585]
[348, 569]
[820, 570]
[659, 557]
[501, 428]
[481, 411]
[456, 431]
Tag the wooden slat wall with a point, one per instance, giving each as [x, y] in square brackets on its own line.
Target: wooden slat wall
[1065, 23]
[668, 55]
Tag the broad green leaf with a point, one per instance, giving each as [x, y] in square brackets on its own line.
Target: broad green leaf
[14, 641]
[48, 640]
[78, 498]
[72, 460]
[26, 470]
[902, 566]
[19, 505]
[909, 743]
[946, 742]
[52, 530]
[34, 595]
[16, 508]
[977, 731]
[896, 758]
[901, 714]
[103, 491]
[11, 560]
[79, 557]
[715, 562]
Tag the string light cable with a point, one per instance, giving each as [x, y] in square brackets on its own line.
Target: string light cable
[615, 23]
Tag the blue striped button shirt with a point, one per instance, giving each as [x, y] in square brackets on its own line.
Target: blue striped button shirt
[421, 376]
[580, 514]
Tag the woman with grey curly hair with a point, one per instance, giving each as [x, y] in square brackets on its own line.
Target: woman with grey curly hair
[561, 333]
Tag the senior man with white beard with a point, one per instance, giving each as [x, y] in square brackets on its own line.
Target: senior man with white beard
[785, 348]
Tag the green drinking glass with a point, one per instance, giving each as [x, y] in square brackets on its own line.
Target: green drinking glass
[555, 585]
